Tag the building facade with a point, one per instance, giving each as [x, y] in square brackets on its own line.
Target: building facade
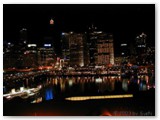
[74, 49]
[46, 55]
[105, 49]
[101, 48]
[141, 43]
[141, 48]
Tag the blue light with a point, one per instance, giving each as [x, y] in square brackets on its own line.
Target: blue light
[49, 94]
[47, 45]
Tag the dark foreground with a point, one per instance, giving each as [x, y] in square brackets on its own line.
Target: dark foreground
[142, 104]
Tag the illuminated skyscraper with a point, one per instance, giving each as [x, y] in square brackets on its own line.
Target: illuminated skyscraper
[23, 36]
[105, 49]
[65, 46]
[30, 56]
[101, 49]
[92, 43]
[46, 55]
[141, 40]
[124, 52]
[141, 48]
[74, 48]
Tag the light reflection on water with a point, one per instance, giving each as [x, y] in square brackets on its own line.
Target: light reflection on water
[58, 88]
[55, 88]
[49, 94]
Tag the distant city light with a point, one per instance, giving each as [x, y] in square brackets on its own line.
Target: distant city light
[13, 91]
[25, 42]
[23, 29]
[70, 82]
[63, 33]
[51, 21]
[47, 45]
[124, 44]
[141, 45]
[98, 32]
[98, 80]
[32, 45]
[9, 43]
[21, 89]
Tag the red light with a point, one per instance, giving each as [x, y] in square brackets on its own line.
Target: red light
[51, 22]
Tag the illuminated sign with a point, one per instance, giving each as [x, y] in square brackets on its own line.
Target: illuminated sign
[47, 45]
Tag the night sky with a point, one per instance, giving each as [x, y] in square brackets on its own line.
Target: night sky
[124, 21]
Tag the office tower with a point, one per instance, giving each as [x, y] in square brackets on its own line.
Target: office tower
[141, 43]
[101, 49]
[124, 52]
[105, 49]
[92, 43]
[9, 56]
[46, 55]
[141, 48]
[65, 46]
[30, 56]
[74, 49]
[23, 36]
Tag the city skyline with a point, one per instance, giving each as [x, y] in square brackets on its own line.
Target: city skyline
[79, 60]
[125, 22]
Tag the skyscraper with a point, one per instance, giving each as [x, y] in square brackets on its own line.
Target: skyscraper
[141, 40]
[105, 49]
[124, 52]
[65, 46]
[92, 44]
[141, 48]
[23, 36]
[46, 55]
[74, 48]
[101, 49]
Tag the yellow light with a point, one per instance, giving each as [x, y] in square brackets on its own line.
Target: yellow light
[81, 98]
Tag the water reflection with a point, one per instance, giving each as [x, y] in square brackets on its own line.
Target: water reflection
[62, 87]
[48, 94]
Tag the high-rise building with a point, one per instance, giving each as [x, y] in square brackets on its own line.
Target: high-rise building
[92, 44]
[30, 56]
[141, 43]
[9, 56]
[65, 46]
[124, 52]
[14, 52]
[23, 36]
[105, 49]
[46, 55]
[101, 49]
[74, 48]
[141, 48]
